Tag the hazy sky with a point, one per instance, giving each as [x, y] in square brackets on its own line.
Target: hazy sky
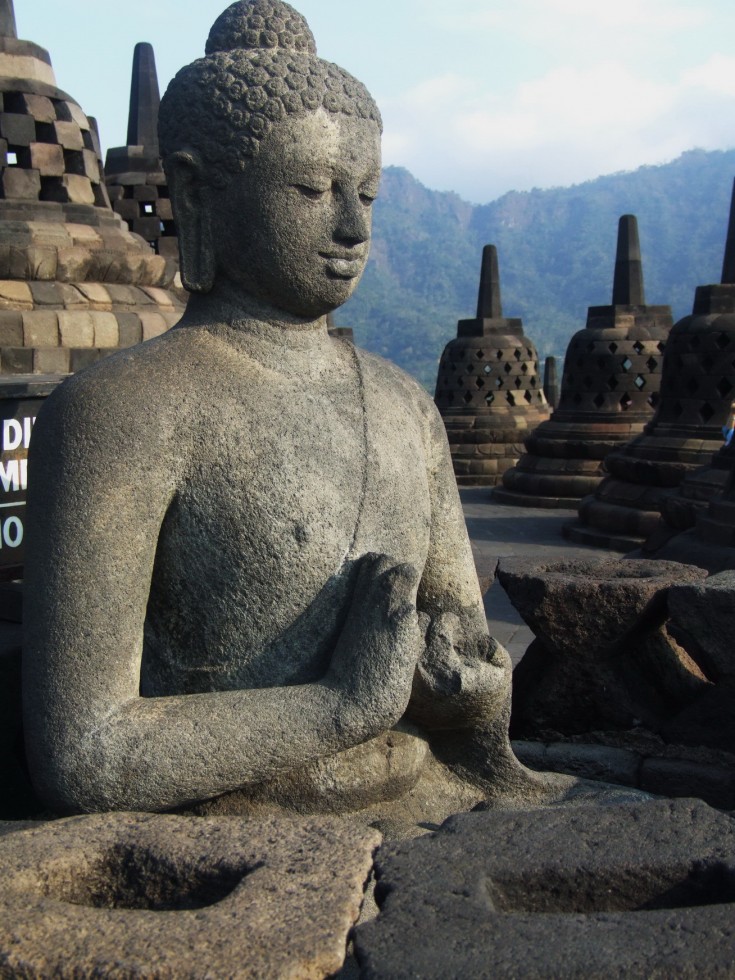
[478, 96]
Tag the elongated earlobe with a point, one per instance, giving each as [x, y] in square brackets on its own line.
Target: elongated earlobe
[193, 220]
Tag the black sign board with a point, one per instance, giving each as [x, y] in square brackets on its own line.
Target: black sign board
[20, 400]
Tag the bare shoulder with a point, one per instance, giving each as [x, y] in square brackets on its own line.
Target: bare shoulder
[387, 375]
[396, 384]
[129, 405]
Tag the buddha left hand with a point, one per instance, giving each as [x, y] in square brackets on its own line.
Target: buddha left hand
[463, 678]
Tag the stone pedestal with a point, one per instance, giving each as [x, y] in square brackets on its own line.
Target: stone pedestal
[488, 389]
[609, 390]
[697, 390]
[602, 658]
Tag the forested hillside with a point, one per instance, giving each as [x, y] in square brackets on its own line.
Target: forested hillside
[556, 250]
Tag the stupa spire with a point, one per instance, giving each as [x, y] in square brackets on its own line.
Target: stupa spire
[7, 19]
[488, 388]
[628, 282]
[728, 264]
[144, 99]
[489, 305]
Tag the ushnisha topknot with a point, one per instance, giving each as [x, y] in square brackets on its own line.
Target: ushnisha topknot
[260, 24]
[260, 66]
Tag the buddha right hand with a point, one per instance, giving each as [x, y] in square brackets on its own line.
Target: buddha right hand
[377, 652]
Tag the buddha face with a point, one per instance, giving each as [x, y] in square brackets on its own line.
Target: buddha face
[293, 230]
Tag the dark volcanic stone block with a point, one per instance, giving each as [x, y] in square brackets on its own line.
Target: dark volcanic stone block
[17, 129]
[642, 890]
[703, 614]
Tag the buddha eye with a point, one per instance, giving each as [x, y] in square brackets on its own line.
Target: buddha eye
[367, 199]
[313, 193]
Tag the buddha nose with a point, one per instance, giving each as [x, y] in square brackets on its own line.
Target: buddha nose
[353, 219]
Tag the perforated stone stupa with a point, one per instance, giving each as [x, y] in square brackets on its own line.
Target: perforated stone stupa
[610, 387]
[74, 283]
[134, 173]
[697, 390]
[488, 389]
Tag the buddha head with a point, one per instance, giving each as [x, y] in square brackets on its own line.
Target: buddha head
[273, 162]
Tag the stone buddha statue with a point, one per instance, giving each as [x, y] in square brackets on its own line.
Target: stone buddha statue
[249, 582]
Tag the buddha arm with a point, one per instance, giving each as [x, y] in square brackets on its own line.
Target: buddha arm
[98, 497]
[463, 677]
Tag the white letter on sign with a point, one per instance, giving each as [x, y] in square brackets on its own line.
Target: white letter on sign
[10, 474]
[12, 434]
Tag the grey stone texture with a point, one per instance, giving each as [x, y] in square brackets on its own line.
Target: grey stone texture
[702, 618]
[609, 388]
[132, 895]
[489, 388]
[639, 891]
[641, 760]
[245, 534]
[602, 655]
[704, 614]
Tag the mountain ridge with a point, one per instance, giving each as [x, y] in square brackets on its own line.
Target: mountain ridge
[556, 250]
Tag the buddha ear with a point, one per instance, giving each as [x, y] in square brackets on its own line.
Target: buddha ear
[192, 214]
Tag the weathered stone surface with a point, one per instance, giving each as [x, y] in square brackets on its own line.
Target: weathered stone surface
[602, 657]
[142, 896]
[623, 891]
[227, 523]
[670, 777]
[703, 615]
[587, 607]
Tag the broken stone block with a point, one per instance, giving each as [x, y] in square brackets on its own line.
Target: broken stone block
[40, 329]
[76, 328]
[150, 895]
[17, 128]
[11, 329]
[15, 295]
[48, 159]
[69, 135]
[130, 328]
[73, 264]
[153, 325]
[40, 107]
[78, 189]
[41, 262]
[105, 329]
[16, 360]
[602, 658]
[50, 360]
[703, 617]
[634, 891]
[22, 185]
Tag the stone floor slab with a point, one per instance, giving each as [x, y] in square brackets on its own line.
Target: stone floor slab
[634, 891]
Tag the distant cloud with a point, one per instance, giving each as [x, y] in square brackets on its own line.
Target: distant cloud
[615, 108]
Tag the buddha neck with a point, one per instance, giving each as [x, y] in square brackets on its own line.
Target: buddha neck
[280, 342]
[247, 317]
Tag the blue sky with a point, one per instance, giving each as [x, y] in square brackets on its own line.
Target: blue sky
[478, 96]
